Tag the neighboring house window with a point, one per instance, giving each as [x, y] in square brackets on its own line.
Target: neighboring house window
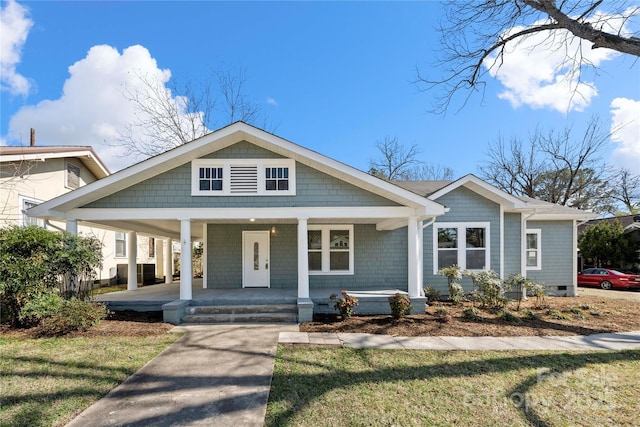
[533, 251]
[27, 203]
[462, 244]
[121, 244]
[242, 177]
[73, 176]
[330, 249]
[152, 247]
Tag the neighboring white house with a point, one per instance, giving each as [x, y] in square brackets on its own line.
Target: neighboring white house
[31, 175]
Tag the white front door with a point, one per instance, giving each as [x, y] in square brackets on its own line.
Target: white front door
[255, 259]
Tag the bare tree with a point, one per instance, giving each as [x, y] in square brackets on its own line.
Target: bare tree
[171, 115]
[475, 35]
[626, 190]
[555, 167]
[400, 163]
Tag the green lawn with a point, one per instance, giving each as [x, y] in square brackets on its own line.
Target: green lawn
[46, 382]
[349, 387]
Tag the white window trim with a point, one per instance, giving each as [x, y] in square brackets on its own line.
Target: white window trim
[461, 227]
[538, 233]
[326, 251]
[226, 164]
[23, 218]
[115, 245]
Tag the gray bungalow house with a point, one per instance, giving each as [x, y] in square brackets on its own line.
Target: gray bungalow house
[274, 215]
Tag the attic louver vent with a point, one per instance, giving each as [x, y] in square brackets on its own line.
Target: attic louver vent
[244, 180]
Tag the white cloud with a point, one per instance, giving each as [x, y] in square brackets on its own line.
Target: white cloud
[14, 29]
[272, 101]
[540, 73]
[93, 109]
[625, 129]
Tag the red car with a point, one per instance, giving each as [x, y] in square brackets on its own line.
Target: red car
[608, 279]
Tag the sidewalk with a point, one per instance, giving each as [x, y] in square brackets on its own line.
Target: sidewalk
[221, 374]
[611, 341]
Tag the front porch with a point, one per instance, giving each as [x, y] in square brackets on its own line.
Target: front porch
[166, 298]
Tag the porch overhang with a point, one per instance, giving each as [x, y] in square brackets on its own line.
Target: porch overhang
[165, 222]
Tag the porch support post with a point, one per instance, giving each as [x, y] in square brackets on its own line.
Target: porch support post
[204, 255]
[132, 255]
[185, 260]
[415, 259]
[72, 226]
[305, 305]
[415, 269]
[303, 260]
[168, 261]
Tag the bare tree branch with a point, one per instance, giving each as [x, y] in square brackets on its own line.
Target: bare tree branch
[399, 163]
[475, 37]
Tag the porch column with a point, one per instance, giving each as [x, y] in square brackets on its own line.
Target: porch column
[132, 255]
[303, 260]
[204, 256]
[186, 275]
[168, 261]
[72, 226]
[415, 268]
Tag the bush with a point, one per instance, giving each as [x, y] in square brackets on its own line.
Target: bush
[453, 274]
[34, 261]
[400, 305]
[443, 315]
[39, 307]
[345, 304]
[489, 289]
[530, 315]
[74, 315]
[456, 293]
[432, 294]
[470, 313]
[508, 316]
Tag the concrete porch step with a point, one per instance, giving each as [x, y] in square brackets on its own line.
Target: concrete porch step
[242, 309]
[279, 313]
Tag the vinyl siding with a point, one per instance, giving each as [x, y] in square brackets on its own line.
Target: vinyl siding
[380, 259]
[557, 255]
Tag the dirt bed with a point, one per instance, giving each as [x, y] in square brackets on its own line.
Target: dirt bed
[583, 315]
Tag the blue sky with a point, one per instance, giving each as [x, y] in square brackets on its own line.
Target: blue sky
[332, 76]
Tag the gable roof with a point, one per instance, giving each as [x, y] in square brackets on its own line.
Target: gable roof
[86, 155]
[629, 222]
[219, 140]
[537, 209]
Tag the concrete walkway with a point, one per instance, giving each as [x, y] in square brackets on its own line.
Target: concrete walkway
[214, 375]
[220, 375]
[613, 341]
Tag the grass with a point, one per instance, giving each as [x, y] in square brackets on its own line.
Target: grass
[47, 382]
[108, 289]
[350, 387]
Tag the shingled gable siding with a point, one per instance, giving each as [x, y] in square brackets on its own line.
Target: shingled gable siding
[380, 258]
[464, 206]
[173, 189]
[557, 255]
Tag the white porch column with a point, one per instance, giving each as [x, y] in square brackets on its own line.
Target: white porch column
[168, 261]
[420, 257]
[186, 274]
[132, 255]
[204, 256]
[415, 268]
[303, 260]
[72, 226]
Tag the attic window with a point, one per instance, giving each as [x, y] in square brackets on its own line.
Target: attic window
[73, 176]
[243, 177]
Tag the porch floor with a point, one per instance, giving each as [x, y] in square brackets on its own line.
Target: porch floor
[154, 296]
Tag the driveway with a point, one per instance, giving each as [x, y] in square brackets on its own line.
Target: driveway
[632, 295]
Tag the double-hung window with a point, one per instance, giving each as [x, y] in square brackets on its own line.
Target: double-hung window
[121, 244]
[533, 252]
[25, 204]
[330, 249]
[462, 244]
[243, 177]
